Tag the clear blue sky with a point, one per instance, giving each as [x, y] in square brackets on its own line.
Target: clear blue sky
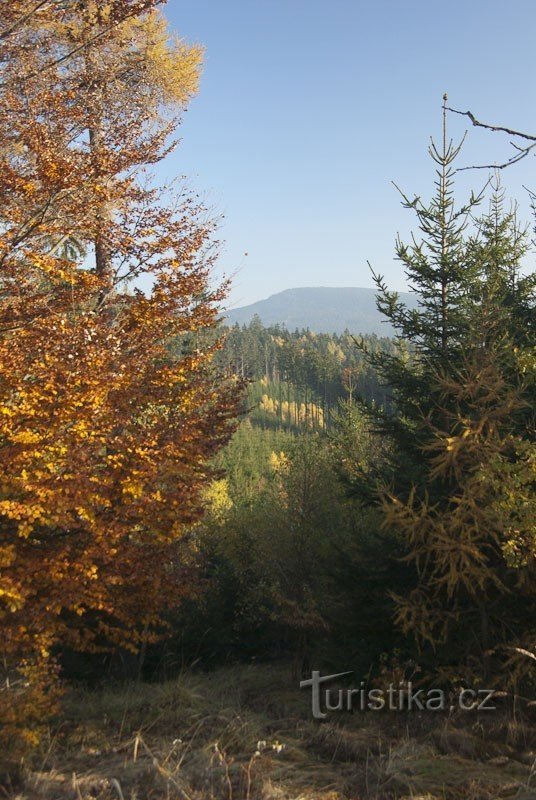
[308, 110]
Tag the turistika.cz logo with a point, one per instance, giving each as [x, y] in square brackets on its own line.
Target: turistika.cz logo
[395, 697]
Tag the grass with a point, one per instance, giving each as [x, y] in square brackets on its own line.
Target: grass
[246, 733]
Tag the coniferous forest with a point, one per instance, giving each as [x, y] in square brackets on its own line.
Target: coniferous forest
[248, 562]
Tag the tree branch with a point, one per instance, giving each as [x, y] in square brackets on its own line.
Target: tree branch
[522, 152]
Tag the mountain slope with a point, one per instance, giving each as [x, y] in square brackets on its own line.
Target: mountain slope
[321, 309]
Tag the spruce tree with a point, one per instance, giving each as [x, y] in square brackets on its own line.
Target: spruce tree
[458, 488]
[442, 269]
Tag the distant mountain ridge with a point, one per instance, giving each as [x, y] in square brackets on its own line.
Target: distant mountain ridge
[321, 309]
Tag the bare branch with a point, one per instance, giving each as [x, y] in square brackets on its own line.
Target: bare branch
[498, 128]
[522, 152]
[513, 160]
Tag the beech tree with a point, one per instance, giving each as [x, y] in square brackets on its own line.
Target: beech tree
[107, 427]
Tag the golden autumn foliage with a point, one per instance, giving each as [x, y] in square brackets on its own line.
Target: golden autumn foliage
[474, 546]
[110, 409]
[310, 414]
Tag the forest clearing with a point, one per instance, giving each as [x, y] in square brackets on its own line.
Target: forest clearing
[244, 732]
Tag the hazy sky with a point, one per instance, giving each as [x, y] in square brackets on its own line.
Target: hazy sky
[308, 110]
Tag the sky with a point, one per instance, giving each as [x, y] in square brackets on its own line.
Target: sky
[308, 111]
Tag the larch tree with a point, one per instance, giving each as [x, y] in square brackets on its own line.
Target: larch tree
[110, 405]
[474, 547]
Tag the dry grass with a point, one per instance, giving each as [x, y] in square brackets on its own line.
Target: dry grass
[246, 733]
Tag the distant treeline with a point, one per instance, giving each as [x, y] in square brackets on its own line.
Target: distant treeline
[300, 376]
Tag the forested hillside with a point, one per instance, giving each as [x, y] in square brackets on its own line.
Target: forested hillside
[301, 376]
[321, 309]
[248, 562]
